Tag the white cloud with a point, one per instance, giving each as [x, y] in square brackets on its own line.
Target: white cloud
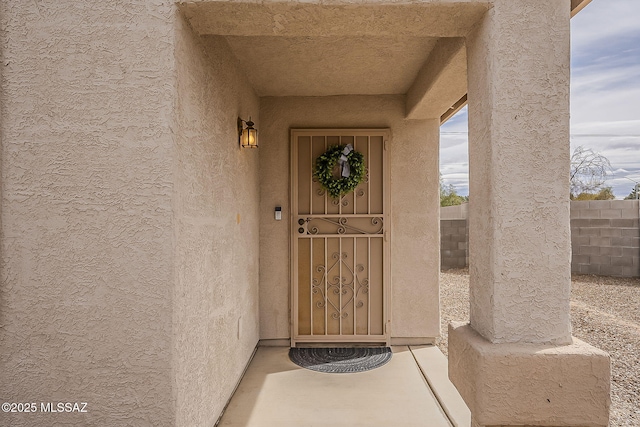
[604, 20]
[605, 93]
[605, 88]
[454, 153]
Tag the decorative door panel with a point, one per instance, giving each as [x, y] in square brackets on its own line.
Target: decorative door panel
[339, 249]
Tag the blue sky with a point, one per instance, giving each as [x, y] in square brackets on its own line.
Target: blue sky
[605, 96]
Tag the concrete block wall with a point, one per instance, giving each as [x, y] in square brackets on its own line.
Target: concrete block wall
[454, 242]
[455, 212]
[605, 237]
[454, 237]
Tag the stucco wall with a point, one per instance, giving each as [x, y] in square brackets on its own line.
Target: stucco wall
[87, 155]
[215, 228]
[413, 157]
[129, 216]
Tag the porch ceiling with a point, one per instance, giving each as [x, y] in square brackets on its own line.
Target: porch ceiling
[333, 48]
[321, 66]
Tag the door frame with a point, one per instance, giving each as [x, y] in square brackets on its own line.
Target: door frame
[384, 339]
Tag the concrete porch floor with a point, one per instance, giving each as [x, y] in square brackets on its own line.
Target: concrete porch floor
[412, 389]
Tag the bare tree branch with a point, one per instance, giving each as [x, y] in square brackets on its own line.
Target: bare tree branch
[589, 170]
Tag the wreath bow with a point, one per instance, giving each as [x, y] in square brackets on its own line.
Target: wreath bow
[344, 161]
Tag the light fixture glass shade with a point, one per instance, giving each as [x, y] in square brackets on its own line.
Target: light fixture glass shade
[249, 137]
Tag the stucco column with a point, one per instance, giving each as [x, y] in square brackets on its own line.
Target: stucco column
[516, 363]
[520, 239]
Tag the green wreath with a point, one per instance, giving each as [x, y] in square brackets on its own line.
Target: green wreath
[324, 171]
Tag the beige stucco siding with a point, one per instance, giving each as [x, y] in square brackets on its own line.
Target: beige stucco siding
[216, 229]
[129, 216]
[87, 155]
[413, 154]
[140, 258]
[519, 233]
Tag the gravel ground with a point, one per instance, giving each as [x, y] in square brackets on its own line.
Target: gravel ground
[605, 312]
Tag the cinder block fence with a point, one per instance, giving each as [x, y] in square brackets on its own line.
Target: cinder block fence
[454, 237]
[605, 237]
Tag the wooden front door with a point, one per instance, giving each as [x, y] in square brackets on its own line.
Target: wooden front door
[340, 252]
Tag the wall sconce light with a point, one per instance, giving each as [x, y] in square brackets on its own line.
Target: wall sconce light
[248, 136]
